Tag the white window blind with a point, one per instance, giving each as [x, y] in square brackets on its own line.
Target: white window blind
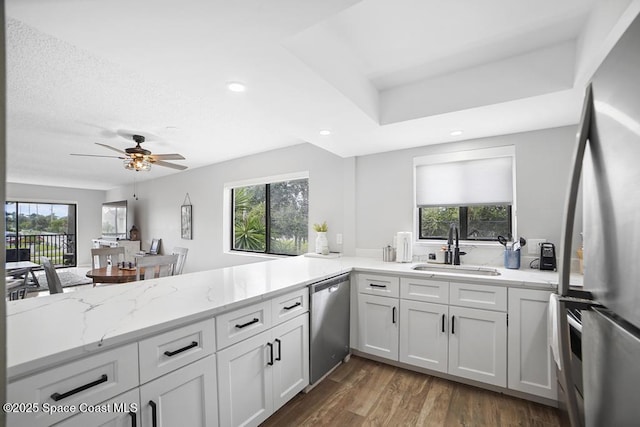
[486, 181]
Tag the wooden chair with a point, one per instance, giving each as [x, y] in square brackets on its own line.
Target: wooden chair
[155, 266]
[55, 286]
[102, 256]
[182, 257]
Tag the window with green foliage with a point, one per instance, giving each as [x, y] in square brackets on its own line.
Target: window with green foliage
[271, 218]
[485, 222]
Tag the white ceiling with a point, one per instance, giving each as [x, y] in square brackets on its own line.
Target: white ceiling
[381, 75]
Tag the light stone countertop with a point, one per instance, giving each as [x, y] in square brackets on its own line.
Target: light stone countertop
[45, 331]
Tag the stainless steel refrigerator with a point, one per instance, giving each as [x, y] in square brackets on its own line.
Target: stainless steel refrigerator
[607, 160]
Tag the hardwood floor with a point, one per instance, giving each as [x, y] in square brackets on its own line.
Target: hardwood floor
[363, 393]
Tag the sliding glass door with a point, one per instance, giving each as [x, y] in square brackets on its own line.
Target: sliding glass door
[34, 230]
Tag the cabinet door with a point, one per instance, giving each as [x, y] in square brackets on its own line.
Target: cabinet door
[424, 334]
[245, 382]
[291, 359]
[186, 397]
[121, 411]
[478, 345]
[531, 366]
[378, 325]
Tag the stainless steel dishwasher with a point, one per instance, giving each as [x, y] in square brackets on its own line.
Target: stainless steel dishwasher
[329, 337]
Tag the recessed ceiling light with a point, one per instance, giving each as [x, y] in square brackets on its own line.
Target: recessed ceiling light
[236, 87]
[456, 133]
[325, 132]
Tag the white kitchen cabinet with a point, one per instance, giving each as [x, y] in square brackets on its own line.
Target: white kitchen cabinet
[424, 339]
[478, 345]
[121, 411]
[291, 359]
[90, 380]
[378, 325]
[185, 397]
[531, 366]
[258, 375]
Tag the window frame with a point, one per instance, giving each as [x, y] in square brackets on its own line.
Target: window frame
[229, 212]
[458, 156]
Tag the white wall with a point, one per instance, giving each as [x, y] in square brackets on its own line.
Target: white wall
[157, 212]
[384, 182]
[89, 210]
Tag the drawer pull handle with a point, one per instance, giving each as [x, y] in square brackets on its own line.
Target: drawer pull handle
[293, 306]
[270, 362]
[58, 396]
[251, 322]
[134, 422]
[154, 413]
[180, 350]
[373, 285]
[279, 358]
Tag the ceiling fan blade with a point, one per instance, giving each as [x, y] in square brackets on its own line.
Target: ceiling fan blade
[167, 157]
[112, 148]
[169, 165]
[96, 155]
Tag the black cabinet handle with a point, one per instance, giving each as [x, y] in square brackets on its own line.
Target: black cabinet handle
[134, 422]
[393, 315]
[453, 324]
[373, 285]
[443, 317]
[279, 358]
[293, 306]
[180, 350]
[251, 322]
[59, 396]
[154, 413]
[270, 362]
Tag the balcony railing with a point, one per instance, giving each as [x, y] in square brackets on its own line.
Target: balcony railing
[59, 248]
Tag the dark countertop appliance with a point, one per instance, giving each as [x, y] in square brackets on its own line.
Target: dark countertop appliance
[547, 256]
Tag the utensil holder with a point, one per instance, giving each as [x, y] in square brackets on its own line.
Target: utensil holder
[512, 258]
[388, 254]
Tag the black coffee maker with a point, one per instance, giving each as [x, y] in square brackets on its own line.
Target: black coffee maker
[548, 256]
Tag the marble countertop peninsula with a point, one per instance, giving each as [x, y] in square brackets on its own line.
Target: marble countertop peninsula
[45, 331]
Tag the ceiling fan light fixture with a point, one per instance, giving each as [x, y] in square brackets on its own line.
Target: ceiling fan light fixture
[137, 164]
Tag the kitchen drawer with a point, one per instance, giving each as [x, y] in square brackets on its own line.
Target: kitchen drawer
[242, 323]
[92, 379]
[375, 284]
[171, 350]
[478, 296]
[424, 290]
[288, 306]
[123, 410]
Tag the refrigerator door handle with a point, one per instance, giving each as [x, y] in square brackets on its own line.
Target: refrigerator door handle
[572, 196]
[564, 342]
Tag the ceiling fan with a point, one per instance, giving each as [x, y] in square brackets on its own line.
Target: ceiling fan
[138, 158]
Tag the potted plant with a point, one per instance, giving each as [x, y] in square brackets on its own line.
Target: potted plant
[322, 244]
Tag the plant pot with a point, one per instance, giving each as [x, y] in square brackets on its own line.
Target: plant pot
[322, 244]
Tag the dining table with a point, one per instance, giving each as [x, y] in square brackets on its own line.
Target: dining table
[22, 268]
[112, 274]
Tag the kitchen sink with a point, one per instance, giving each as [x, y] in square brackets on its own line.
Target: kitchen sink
[457, 269]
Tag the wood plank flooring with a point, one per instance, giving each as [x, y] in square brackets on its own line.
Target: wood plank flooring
[363, 392]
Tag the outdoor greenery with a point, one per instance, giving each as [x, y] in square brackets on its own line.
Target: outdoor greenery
[41, 228]
[287, 224]
[485, 222]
